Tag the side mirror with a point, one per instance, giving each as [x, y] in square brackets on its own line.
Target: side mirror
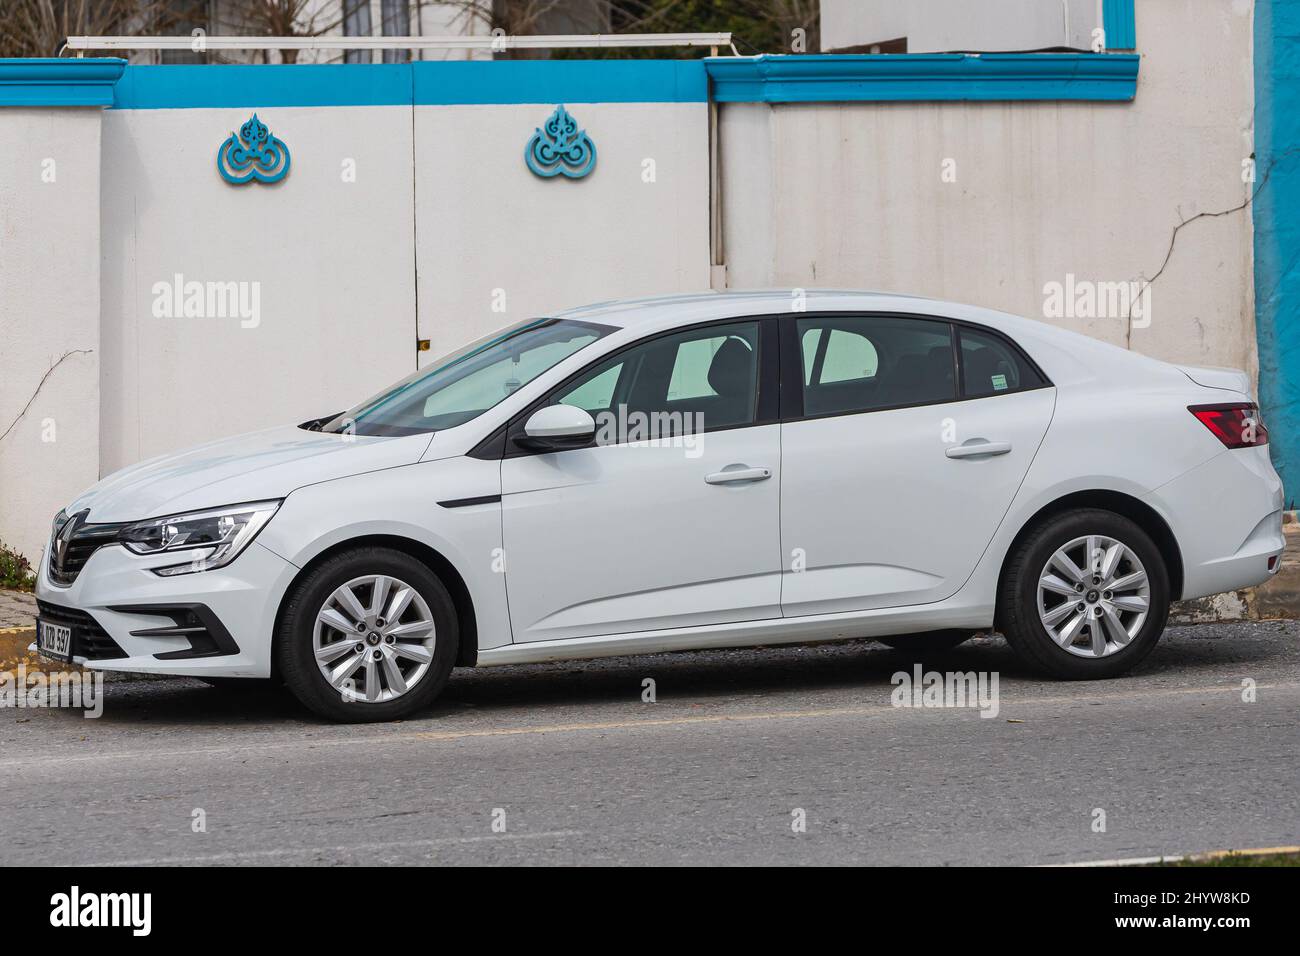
[557, 427]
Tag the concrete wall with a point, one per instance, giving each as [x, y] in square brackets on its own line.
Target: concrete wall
[497, 244]
[940, 25]
[331, 258]
[336, 259]
[855, 194]
[49, 308]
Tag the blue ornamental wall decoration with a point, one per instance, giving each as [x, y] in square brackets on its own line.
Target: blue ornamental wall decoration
[252, 154]
[560, 148]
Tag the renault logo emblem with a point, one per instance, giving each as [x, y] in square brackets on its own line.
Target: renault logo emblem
[64, 536]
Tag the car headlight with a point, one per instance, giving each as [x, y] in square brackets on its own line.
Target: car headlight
[211, 539]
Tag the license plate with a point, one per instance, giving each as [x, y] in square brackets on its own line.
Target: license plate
[54, 640]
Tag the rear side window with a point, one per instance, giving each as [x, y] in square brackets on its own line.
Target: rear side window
[861, 363]
[990, 365]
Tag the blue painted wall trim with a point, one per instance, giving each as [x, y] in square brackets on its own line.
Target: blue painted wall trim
[1117, 19]
[560, 81]
[924, 76]
[255, 86]
[424, 83]
[1277, 231]
[771, 79]
[59, 82]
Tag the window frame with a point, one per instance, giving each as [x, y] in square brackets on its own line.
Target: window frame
[792, 386]
[780, 374]
[502, 444]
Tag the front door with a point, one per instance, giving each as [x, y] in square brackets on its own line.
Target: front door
[670, 517]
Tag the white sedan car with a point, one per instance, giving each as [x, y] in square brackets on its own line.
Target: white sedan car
[699, 471]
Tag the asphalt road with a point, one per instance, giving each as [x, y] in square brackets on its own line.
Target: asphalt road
[586, 772]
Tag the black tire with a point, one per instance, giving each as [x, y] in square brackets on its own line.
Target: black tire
[294, 639]
[927, 642]
[1017, 611]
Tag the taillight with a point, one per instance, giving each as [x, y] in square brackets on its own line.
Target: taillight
[1236, 425]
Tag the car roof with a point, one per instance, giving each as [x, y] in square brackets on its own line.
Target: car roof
[666, 311]
[702, 306]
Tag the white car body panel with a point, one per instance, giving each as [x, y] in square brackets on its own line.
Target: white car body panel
[664, 561]
[631, 538]
[865, 497]
[403, 502]
[253, 467]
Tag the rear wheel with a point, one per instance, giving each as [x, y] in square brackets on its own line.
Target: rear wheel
[1084, 596]
[369, 635]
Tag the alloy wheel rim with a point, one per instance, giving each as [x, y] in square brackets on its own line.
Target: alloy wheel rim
[1093, 596]
[374, 638]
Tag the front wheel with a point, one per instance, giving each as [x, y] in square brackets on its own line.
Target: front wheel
[369, 635]
[1084, 596]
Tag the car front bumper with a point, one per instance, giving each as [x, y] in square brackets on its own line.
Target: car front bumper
[216, 623]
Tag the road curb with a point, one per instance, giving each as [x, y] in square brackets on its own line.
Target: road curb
[1206, 857]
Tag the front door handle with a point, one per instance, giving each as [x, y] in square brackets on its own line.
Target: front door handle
[738, 473]
[976, 447]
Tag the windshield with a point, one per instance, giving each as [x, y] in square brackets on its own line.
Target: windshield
[463, 385]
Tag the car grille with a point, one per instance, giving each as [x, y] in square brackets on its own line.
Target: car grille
[89, 640]
[73, 545]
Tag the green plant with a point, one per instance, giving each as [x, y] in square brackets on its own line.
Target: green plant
[15, 570]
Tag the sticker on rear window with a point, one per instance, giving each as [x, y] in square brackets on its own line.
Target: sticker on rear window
[999, 382]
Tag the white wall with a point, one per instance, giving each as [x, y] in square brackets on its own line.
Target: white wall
[485, 222]
[852, 195]
[49, 305]
[936, 26]
[336, 261]
[333, 260]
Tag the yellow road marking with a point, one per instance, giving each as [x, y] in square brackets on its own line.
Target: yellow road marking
[1256, 851]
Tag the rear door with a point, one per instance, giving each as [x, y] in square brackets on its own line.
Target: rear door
[899, 458]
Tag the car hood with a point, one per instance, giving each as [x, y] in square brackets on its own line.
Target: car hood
[253, 467]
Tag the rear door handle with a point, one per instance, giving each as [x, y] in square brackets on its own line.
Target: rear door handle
[738, 473]
[976, 447]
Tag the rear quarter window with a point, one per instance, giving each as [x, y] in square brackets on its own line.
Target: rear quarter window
[990, 365]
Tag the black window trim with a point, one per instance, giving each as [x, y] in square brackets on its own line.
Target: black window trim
[780, 375]
[1005, 340]
[792, 383]
[500, 443]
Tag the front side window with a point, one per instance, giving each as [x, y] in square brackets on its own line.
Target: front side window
[860, 363]
[463, 385]
[691, 381]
